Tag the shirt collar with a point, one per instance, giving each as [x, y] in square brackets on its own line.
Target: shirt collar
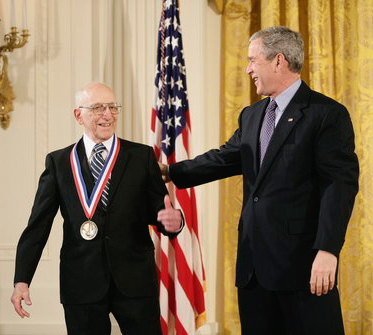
[284, 97]
[89, 144]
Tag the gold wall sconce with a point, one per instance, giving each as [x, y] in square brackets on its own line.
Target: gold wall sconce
[13, 40]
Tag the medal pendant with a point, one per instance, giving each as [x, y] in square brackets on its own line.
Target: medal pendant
[88, 230]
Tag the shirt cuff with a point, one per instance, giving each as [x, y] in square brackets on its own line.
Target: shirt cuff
[182, 224]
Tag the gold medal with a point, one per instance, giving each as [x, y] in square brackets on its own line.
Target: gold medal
[88, 230]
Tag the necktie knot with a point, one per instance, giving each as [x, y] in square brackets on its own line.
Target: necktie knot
[271, 107]
[99, 148]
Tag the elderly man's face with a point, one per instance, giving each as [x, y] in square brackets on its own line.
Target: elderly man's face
[98, 128]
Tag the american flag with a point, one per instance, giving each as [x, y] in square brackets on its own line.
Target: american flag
[179, 261]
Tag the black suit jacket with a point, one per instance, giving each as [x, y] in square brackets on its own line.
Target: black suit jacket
[300, 199]
[122, 249]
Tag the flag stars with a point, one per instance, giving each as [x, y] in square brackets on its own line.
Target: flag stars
[167, 22]
[179, 84]
[175, 43]
[159, 103]
[167, 41]
[173, 105]
[172, 83]
[182, 69]
[176, 25]
[160, 83]
[177, 103]
[166, 141]
[168, 4]
[174, 61]
[168, 122]
[177, 121]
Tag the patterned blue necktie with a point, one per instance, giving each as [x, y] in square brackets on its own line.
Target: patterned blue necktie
[268, 127]
[97, 164]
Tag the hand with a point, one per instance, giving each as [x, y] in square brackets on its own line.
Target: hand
[323, 272]
[164, 171]
[21, 292]
[169, 217]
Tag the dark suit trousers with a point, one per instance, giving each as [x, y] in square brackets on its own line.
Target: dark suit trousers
[135, 316]
[264, 312]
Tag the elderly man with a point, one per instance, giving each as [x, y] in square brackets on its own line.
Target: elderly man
[108, 191]
[295, 150]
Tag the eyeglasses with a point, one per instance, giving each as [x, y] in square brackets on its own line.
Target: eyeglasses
[99, 109]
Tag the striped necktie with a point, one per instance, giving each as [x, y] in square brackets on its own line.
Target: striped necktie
[97, 164]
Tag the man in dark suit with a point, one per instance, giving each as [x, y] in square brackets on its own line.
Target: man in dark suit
[295, 150]
[108, 191]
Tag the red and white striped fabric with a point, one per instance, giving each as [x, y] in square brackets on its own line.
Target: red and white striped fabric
[179, 261]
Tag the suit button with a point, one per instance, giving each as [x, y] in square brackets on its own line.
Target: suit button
[256, 199]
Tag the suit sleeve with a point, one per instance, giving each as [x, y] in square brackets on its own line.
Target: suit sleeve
[35, 235]
[213, 165]
[155, 194]
[338, 172]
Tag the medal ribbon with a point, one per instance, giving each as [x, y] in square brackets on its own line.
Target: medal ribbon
[89, 204]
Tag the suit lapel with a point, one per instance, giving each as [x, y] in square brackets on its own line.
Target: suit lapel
[289, 119]
[118, 169]
[86, 172]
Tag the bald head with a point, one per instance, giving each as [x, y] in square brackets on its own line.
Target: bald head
[92, 93]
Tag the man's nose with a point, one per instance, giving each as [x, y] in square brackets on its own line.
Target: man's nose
[248, 69]
[107, 112]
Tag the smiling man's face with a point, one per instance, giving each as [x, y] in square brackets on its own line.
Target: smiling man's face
[98, 128]
[262, 70]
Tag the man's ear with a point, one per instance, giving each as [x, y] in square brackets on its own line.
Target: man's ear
[78, 115]
[280, 61]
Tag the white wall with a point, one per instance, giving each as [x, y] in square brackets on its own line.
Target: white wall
[67, 48]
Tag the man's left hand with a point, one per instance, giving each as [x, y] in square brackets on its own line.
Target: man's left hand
[323, 272]
[170, 217]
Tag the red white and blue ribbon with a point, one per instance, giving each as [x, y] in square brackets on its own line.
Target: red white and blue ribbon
[89, 204]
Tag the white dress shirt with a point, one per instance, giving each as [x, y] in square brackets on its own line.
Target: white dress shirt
[89, 144]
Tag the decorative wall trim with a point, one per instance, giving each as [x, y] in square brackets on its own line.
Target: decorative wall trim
[8, 253]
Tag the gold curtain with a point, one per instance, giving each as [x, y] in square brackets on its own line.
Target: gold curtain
[338, 37]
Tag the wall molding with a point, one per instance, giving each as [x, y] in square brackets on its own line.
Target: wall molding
[8, 253]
